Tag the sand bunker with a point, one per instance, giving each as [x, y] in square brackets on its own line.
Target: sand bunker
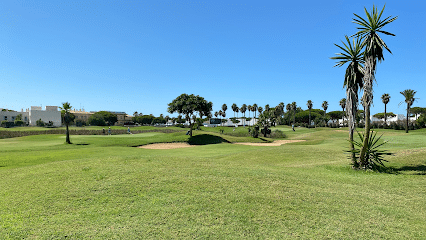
[166, 146]
[272, 144]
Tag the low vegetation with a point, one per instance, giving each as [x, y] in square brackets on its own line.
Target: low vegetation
[101, 187]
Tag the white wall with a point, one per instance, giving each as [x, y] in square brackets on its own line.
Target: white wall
[50, 114]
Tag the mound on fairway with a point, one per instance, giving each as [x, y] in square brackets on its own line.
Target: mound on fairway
[272, 144]
[166, 146]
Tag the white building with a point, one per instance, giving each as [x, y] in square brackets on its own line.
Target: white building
[30, 116]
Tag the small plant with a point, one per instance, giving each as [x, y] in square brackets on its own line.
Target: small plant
[277, 134]
[374, 157]
[40, 123]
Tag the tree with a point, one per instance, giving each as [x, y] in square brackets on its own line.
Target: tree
[243, 110]
[382, 115]
[249, 110]
[309, 104]
[324, 106]
[385, 99]
[369, 31]
[288, 108]
[267, 107]
[293, 107]
[417, 111]
[67, 107]
[409, 99]
[102, 118]
[224, 107]
[342, 104]
[335, 115]
[254, 109]
[234, 108]
[260, 110]
[188, 105]
[352, 54]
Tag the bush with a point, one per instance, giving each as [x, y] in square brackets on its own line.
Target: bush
[277, 134]
[40, 123]
[80, 123]
[19, 123]
[7, 124]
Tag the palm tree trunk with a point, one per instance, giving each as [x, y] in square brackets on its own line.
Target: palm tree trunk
[309, 124]
[385, 114]
[367, 100]
[406, 125]
[68, 134]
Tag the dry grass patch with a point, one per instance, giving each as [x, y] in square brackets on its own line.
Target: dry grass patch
[272, 144]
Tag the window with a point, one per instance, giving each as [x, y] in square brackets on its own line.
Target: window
[13, 118]
[5, 118]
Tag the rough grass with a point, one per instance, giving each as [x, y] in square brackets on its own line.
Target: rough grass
[105, 189]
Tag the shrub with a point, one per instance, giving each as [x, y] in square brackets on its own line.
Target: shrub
[19, 123]
[40, 123]
[277, 134]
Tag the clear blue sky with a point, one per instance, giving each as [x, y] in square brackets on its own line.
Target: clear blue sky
[140, 55]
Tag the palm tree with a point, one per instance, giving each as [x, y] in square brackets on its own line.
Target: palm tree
[67, 119]
[293, 107]
[243, 110]
[249, 108]
[342, 104]
[385, 99]
[409, 99]
[260, 109]
[254, 109]
[237, 109]
[309, 104]
[224, 107]
[234, 108]
[266, 107]
[324, 106]
[368, 31]
[288, 108]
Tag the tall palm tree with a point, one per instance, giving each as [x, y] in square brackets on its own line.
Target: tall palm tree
[342, 104]
[309, 104]
[385, 99]
[324, 106]
[249, 108]
[234, 108]
[293, 107]
[369, 31]
[237, 109]
[224, 107]
[66, 106]
[409, 99]
[243, 110]
[254, 109]
[288, 108]
[260, 109]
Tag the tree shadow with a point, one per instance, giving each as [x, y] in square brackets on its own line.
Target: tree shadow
[205, 139]
[416, 169]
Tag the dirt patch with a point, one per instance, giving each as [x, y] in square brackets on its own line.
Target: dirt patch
[272, 144]
[166, 146]
[409, 151]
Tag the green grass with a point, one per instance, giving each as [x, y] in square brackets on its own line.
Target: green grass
[101, 187]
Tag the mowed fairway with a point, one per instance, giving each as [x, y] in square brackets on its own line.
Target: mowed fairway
[102, 187]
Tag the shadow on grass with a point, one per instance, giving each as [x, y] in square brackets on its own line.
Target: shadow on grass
[414, 170]
[204, 139]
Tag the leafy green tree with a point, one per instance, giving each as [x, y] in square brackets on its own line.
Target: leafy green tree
[417, 111]
[409, 99]
[102, 118]
[96, 120]
[369, 30]
[309, 104]
[382, 115]
[335, 115]
[188, 105]
[67, 120]
[385, 99]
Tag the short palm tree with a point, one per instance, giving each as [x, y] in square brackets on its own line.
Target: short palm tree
[224, 107]
[260, 109]
[67, 119]
[309, 104]
[409, 99]
[385, 99]
[369, 31]
[288, 108]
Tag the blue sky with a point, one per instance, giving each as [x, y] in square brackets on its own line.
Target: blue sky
[140, 55]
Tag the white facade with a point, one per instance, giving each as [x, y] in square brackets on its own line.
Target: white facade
[30, 116]
[50, 114]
